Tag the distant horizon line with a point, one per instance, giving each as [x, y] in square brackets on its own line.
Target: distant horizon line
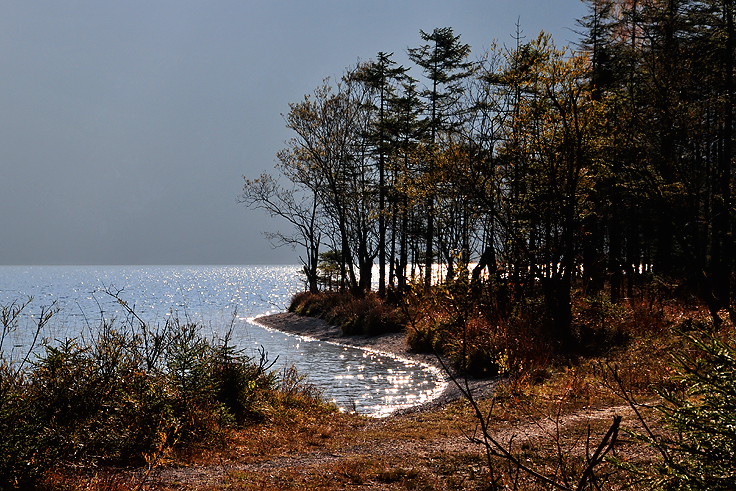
[149, 264]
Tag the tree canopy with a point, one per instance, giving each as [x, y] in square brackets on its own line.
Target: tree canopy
[547, 169]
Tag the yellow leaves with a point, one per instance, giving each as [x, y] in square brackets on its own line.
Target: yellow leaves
[556, 102]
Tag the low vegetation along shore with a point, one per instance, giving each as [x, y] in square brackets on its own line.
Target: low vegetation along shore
[644, 400]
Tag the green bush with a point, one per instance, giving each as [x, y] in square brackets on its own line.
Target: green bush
[130, 395]
[243, 386]
[24, 451]
[699, 451]
[25, 455]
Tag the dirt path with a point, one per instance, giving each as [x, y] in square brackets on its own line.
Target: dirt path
[378, 445]
[530, 434]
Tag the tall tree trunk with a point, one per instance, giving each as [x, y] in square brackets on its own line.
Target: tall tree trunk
[403, 246]
[723, 237]
[429, 243]
[382, 203]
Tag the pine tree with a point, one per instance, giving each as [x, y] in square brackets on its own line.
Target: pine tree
[383, 77]
[444, 62]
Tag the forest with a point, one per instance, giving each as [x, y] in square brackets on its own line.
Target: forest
[541, 172]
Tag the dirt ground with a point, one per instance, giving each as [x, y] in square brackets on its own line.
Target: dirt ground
[426, 447]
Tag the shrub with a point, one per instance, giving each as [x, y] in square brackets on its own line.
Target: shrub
[482, 332]
[702, 416]
[25, 455]
[99, 404]
[24, 451]
[129, 395]
[243, 386]
[367, 314]
[600, 323]
[312, 304]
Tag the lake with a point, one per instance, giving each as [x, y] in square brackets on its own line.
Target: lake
[216, 297]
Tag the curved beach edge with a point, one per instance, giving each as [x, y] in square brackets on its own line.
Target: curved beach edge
[392, 343]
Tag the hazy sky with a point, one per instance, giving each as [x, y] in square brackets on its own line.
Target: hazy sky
[126, 127]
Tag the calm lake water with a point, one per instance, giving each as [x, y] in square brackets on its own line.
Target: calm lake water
[216, 297]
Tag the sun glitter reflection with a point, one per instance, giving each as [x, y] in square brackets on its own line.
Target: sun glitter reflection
[356, 379]
[405, 384]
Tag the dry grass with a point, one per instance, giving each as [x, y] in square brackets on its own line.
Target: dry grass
[551, 417]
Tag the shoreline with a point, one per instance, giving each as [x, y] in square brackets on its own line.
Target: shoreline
[391, 343]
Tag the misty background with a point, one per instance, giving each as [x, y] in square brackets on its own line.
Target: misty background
[126, 127]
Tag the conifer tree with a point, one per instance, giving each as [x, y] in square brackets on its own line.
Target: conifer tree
[443, 60]
[383, 77]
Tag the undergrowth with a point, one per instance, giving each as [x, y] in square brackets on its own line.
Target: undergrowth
[134, 395]
[492, 328]
[366, 314]
[130, 395]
